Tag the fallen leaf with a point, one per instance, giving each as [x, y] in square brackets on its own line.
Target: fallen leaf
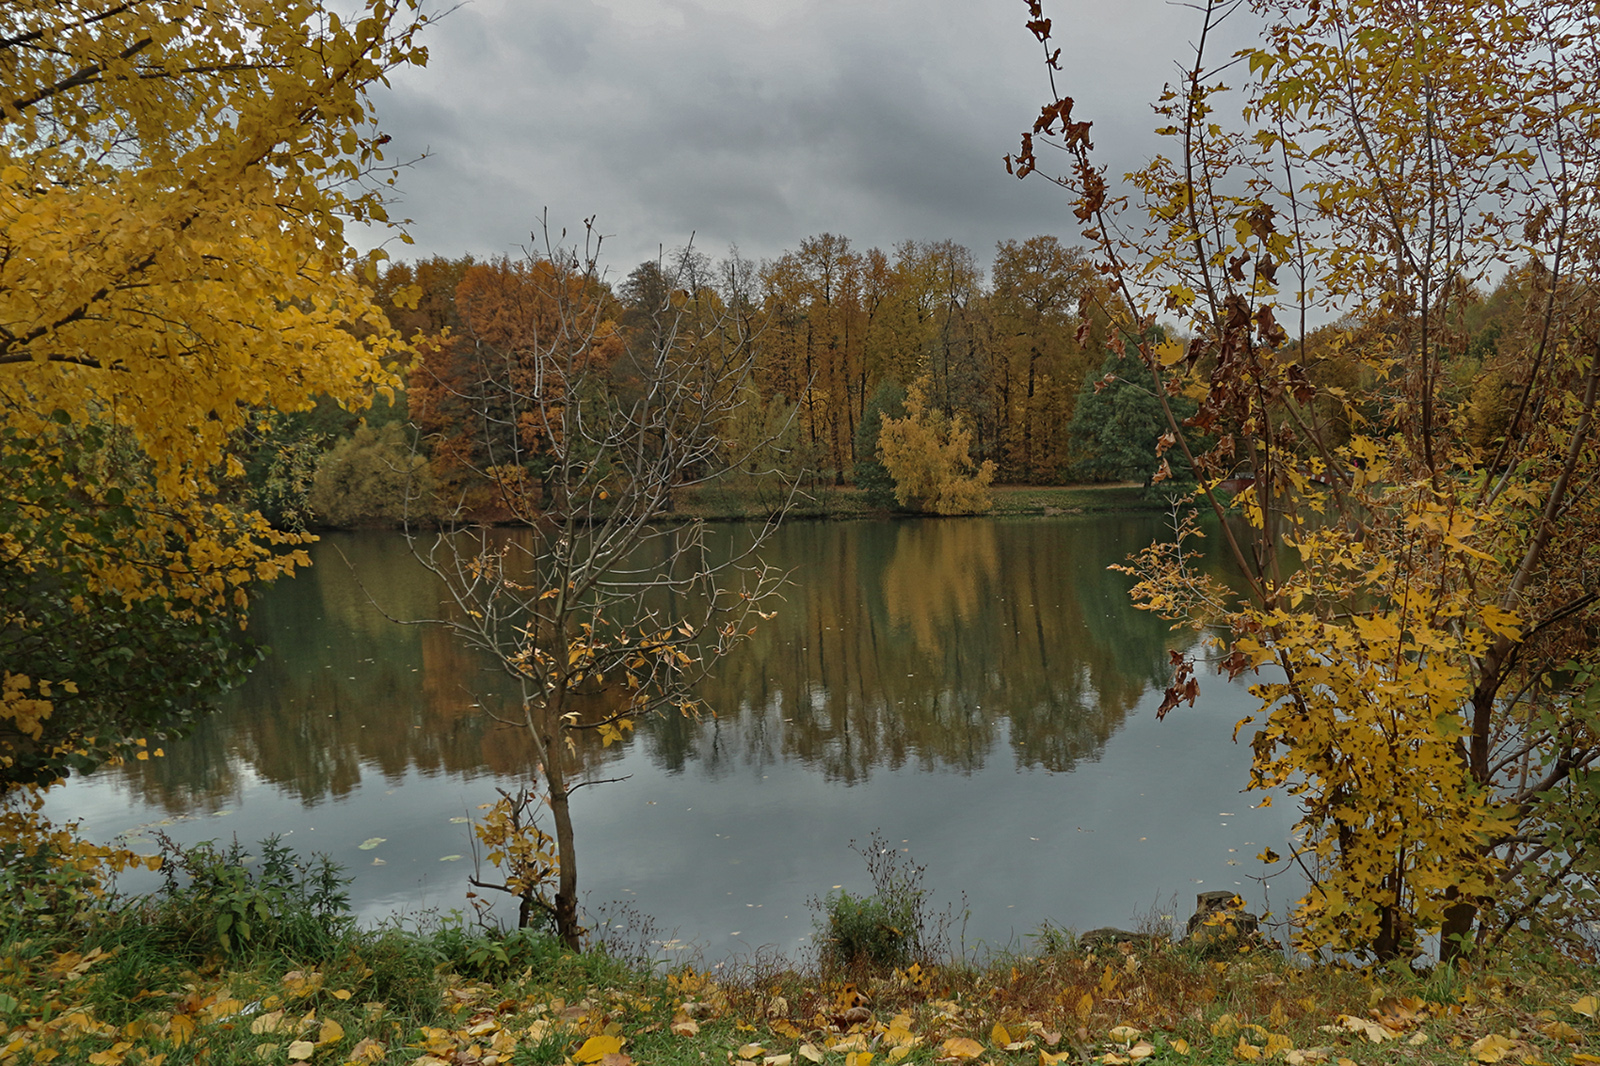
[1115, 1060]
[1124, 1034]
[1142, 1050]
[1181, 1046]
[960, 1047]
[811, 1053]
[272, 1022]
[368, 1050]
[616, 1058]
[1371, 1030]
[371, 842]
[596, 1048]
[301, 1050]
[858, 1058]
[683, 1025]
[752, 1051]
[777, 1060]
[267, 1051]
[999, 1036]
[1588, 1006]
[1417, 1038]
[898, 1053]
[341, 993]
[1491, 1048]
[330, 1033]
[1047, 1059]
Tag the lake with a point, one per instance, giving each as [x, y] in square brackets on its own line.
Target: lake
[978, 690]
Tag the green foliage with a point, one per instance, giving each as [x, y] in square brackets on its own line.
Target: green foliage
[215, 903]
[888, 400]
[374, 477]
[866, 931]
[891, 927]
[92, 673]
[1116, 424]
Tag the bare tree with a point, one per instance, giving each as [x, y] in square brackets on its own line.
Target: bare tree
[600, 604]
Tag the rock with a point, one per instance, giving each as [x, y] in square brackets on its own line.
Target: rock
[1220, 917]
[1110, 937]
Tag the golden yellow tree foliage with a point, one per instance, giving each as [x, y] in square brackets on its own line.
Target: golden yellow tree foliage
[1427, 641]
[175, 179]
[929, 455]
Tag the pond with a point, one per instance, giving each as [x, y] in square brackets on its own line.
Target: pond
[978, 690]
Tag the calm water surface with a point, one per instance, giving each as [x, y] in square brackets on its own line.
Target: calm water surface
[979, 690]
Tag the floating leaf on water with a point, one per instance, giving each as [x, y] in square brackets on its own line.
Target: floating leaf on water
[449, 858]
[371, 842]
[379, 862]
[459, 820]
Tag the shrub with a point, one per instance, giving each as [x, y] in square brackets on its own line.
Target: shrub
[892, 927]
[218, 905]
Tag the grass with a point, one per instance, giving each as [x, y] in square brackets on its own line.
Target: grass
[116, 989]
[115, 981]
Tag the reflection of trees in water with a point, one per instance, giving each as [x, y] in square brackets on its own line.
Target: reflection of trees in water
[345, 693]
[899, 644]
[903, 643]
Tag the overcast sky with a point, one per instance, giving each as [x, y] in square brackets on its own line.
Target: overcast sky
[758, 123]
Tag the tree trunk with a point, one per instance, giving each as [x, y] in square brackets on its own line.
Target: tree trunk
[567, 927]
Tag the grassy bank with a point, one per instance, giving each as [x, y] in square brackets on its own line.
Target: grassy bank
[846, 502]
[116, 995]
[227, 966]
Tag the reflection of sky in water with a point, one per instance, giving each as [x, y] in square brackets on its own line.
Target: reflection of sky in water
[724, 828]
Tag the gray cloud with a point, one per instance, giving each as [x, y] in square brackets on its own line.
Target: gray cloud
[758, 123]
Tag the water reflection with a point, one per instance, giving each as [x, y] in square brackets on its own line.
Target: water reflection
[949, 672]
[897, 645]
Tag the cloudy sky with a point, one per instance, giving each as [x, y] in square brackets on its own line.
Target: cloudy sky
[758, 123]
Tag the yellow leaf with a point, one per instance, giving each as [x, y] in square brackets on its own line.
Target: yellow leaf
[858, 1058]
[331, 1033]
[898, 1053]
[1246, 1050]
[1491, 1048]
[1181, 1046]
[1047, 1059]
[1142, 1050]
[1588, 1006]
[368, 1050]
[1085, 1006]
[301, 1050]
[752, 1051]
[998, 1035]
[1124, 1034]
[960, 1047]
[683, 1025]
[811, 1053]
[341, 993]
[597, 1047]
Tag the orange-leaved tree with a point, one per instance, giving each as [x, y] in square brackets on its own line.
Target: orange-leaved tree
[175, 179]
[598, 606]
[1427, 663]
